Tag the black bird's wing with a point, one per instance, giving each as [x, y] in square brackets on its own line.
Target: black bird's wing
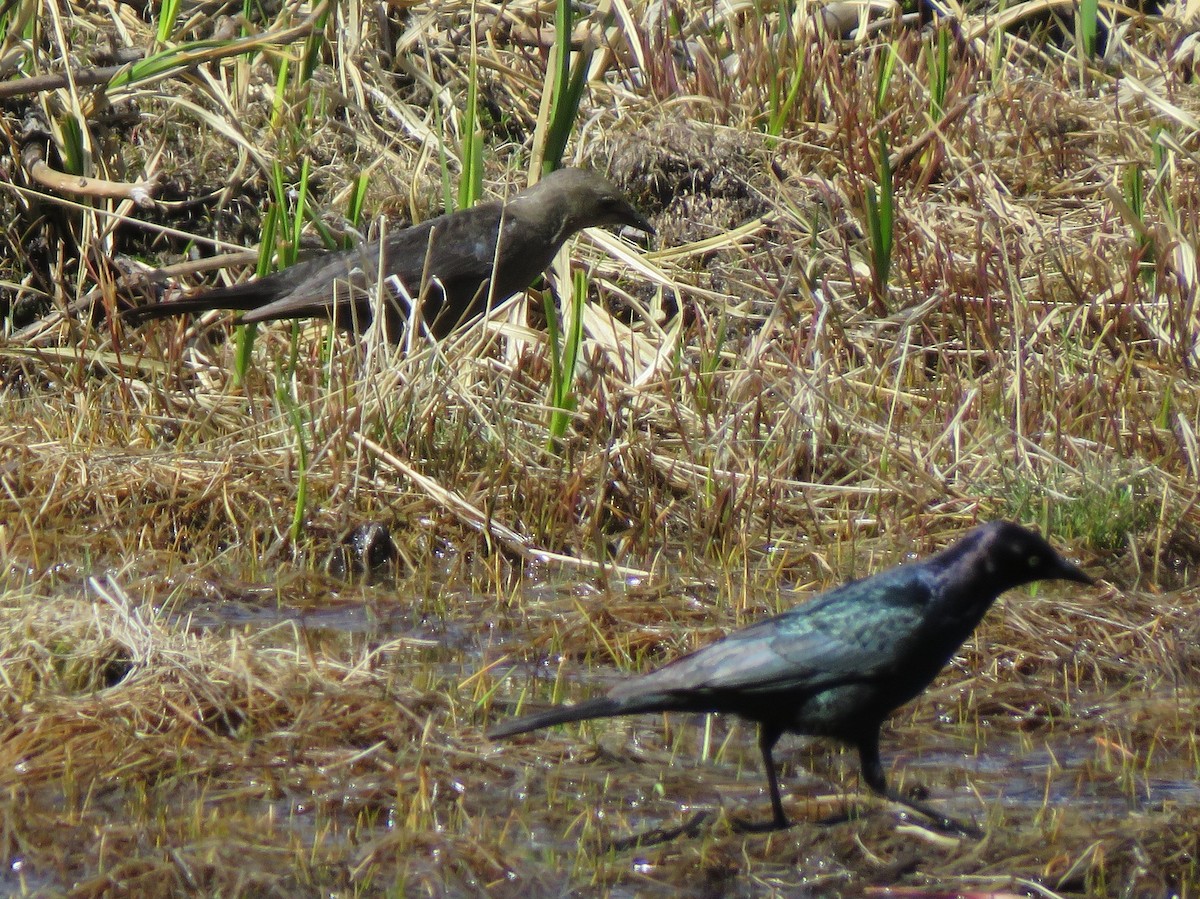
[865, 632]
[861, 632]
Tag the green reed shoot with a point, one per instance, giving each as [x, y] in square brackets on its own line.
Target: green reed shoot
[71, 144]
[18, 21]
[277, 225]
[168, 11]
[998, 44]
[881, 222]
[313, 45]
[1162, 180]
[781, 103]
[939, 74]
[1135, 198]
[566, 80]
[470, 182]
[710, 363]
[564, 356]
[298, 423]
[1087, 17]
[355, 207]
[883, 76]
[279, 103]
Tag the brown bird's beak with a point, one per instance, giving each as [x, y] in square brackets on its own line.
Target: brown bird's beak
[639, 221]
[1069, 572]
[627, 215]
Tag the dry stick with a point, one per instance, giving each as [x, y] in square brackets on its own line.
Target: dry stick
[36, 84]
[474, 518]
[204, 264]
[658, 835]
[907, 154]
[32, 157]
[206, 51]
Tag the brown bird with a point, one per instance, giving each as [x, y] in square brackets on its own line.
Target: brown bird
[451, 264]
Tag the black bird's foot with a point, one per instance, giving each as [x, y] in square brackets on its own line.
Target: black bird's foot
[941, 822]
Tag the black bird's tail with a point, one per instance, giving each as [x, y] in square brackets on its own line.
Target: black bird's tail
[602, 707]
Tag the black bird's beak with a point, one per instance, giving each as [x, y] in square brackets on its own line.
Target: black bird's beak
[1069, 572]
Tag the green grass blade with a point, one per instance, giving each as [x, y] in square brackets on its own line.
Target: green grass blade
[567, 80]
[470, 183]
[1087, 26]
[168, 12]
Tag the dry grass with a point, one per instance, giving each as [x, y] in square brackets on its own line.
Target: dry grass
[194, 704]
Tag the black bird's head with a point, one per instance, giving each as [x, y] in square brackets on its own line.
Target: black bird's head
[582, 199]
[1009, 555]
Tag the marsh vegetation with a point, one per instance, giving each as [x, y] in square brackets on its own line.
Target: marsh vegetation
[903, 282]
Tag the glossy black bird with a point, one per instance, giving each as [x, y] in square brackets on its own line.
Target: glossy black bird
[839, 664]
[452, 261]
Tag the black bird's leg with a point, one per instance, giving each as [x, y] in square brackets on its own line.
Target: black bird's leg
[872, 774]
[768, 736]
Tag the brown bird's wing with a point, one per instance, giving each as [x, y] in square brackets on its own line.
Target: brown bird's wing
[454, 252]
[314, 287]
[294, 292]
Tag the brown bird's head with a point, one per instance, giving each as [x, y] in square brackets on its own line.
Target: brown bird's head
[577, 199]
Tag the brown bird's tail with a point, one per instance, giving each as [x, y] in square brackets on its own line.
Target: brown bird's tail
[249, 295]
[603, 707]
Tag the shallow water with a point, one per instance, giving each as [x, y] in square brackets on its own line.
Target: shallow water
[1064, 769]
[456, 633]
